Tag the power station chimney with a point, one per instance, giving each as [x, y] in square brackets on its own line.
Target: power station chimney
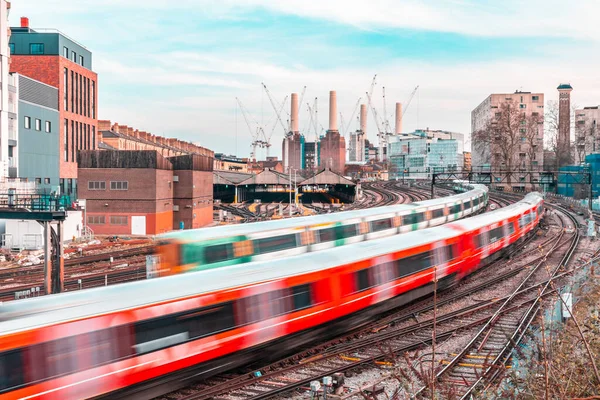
[398, 118]
[333, 111]
[363, 118]
[294, 114]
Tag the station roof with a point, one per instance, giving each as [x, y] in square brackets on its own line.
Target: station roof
[327, 177]
[229, 177]
[270, 177]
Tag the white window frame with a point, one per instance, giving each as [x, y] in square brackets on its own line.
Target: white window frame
[27, 122]
[96, 185]
[38, 124]
[48, 127]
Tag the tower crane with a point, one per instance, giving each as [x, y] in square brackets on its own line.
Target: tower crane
[409, 100]
[255, 133]
[346, 127]
[380, 135]
[386, 121]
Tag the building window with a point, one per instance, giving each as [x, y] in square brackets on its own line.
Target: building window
[48, 127]
[88, 98]
[72, 91]
[66, 141]
[38, 124]
[76, 93]
[119, 185]
[65, 52]
[118, 219]
[72, 141]
[93, 99]
[81, 143]
[522, 105]
[93, 137]
[47, 181]
[84, 109]
[535, 98]
[66, 89]
[80, 94]
[96, 185]
[96, 220]
[12, 48]
[38, 181]
[76, 136]
[27, 122]
[36, 48]
[81, 60]
[73, 56]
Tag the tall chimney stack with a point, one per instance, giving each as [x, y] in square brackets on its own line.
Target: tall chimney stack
[294, 114]
[363, 118]
[398, 118]
[333, 111]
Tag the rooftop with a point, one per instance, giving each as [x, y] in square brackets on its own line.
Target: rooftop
[565, 86]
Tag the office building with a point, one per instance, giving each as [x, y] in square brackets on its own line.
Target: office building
[587, 134]
[53, 58]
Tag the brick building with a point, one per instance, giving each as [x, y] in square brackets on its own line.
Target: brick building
[53, 58]
[192, 191]
[140, 192]
[123, 137]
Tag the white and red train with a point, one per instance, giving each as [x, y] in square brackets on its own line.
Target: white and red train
[140, 339]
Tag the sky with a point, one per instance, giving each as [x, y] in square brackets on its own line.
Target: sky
[175, 68]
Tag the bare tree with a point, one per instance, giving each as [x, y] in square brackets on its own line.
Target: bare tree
[502, 137]
[551, 135]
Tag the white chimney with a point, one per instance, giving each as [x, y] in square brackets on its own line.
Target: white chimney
[333, 111]
[398, 118]
[294, 114]
[363, 118]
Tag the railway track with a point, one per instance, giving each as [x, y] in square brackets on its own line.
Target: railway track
[381, 342]
[483, 359]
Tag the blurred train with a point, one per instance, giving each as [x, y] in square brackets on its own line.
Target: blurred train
[138, 340]
[199, 249]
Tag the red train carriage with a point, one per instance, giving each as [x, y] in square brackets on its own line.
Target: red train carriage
[144, 338]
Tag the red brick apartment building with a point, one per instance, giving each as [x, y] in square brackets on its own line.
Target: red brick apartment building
[53, 58]
[140, 192]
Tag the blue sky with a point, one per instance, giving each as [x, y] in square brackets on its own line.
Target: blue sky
[175, 68]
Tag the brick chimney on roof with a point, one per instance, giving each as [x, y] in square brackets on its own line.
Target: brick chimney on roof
[103, 125]
[130, 131]
[122, 129]
[24, 22]
[115, 127]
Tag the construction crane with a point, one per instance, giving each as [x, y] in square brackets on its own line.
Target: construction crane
[409, 100]
[345, 128]
[381, 135]
[255, 133]
[277, 113]
[386, 121]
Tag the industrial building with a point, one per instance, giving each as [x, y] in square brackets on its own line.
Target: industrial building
[224, 162]
[54, 59]
[356, 147]
[332, 145]
[140, 192]
[484, 155]
[8, 101]
[38, 152]
[573, 183]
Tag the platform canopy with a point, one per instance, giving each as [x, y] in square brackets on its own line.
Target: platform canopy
[229, 178]
[327, 177]
[270, 177]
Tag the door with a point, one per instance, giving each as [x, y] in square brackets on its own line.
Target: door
[138, 225]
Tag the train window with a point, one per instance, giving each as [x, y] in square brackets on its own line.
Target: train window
[326, 235]
[275, 243]
[437, 213]
[475, 202]
[302, 296]
[11, 369]
[218, 253]
[455, 209]
[467, 204]
[346, 231]
[414, 218]
[384, 273]
[448, 253]
[362, 280]
[208, 321]
[481, 240]
[496, 234]
[410, 265]
[170, 330]
[381, 224]
[511, 228]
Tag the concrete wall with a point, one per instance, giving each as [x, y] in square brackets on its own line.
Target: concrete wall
[29, 234]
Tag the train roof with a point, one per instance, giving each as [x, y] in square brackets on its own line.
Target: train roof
[265, 226]
[30, 313]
